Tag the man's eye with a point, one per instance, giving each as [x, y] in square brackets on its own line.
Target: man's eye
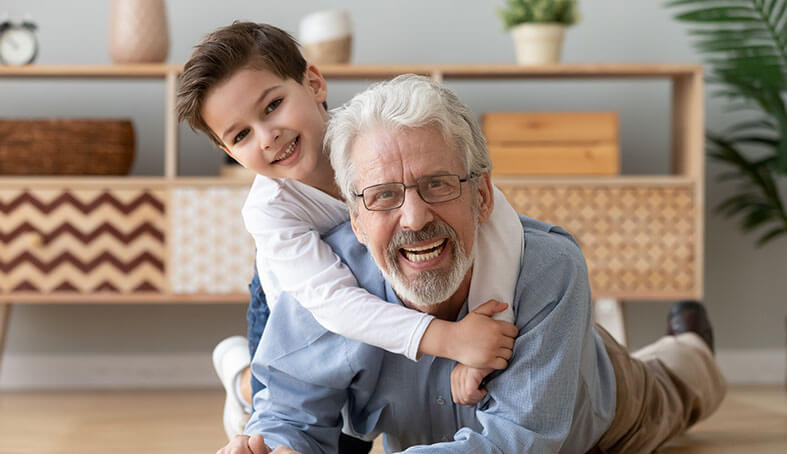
[240, 136]
[272, 106]
[436, 184]
[385, 195]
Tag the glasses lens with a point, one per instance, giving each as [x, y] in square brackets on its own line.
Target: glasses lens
[383, 196]
[439, 188]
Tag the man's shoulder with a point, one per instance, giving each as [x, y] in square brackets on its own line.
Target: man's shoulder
[545, 242]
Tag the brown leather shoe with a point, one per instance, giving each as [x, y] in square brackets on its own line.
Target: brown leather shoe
[690, 316]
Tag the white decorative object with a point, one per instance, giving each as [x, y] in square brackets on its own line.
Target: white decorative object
[326, 37]
[538, 44]
[18, 42]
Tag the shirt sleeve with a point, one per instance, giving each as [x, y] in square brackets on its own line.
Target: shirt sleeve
[531, 405]
[498, 258]
[286, 231]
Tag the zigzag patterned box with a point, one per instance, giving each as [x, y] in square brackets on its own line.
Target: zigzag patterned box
[80, 240]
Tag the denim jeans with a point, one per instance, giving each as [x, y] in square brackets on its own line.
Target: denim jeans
[257, 318]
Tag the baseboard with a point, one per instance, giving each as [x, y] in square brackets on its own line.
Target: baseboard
[27, 371]
[755, 367]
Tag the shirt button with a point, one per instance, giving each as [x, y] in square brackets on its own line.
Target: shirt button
[440, 400]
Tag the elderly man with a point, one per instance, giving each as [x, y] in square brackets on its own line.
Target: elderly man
[414, 168]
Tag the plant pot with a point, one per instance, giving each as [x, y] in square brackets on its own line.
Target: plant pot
[538, 44]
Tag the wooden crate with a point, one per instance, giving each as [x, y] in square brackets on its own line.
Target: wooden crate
[562, 143]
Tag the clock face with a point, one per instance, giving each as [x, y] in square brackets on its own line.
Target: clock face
[17, 46]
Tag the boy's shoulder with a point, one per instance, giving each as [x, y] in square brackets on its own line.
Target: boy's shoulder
[286, 197]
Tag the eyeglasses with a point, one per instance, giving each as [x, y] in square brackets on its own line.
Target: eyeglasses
[431, 189]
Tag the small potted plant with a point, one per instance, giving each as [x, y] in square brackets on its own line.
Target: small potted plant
[537, 27]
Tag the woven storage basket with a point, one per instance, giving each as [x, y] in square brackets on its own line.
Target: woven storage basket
[66, 147]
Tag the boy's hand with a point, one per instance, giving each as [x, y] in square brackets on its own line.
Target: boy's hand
[465, 384]
[243, 444]
[480, 341]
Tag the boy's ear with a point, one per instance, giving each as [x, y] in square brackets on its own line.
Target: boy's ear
[317, 83]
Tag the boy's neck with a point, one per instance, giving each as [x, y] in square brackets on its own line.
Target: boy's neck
[327, 184]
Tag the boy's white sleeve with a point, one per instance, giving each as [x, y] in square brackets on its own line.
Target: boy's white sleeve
[499, 253]
[289, 245]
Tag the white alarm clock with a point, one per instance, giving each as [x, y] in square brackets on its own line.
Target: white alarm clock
[18, 43]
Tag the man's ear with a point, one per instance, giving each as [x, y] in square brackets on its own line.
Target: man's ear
[317, 83]
[359, 233]
[486, 197]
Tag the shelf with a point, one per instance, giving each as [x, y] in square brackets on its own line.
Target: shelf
[642, 234]
[461, 71]
[141, 298]
[151, 71]
[88, 182]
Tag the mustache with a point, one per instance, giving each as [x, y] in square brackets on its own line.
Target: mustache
[429, 231]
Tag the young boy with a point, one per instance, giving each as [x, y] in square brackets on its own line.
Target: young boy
[250, 90]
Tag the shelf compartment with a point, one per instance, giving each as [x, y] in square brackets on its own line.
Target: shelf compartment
[639, 235]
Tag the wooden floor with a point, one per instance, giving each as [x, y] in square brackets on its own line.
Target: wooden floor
[751, 421]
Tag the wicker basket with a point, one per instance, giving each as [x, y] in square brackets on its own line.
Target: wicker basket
[66, 147]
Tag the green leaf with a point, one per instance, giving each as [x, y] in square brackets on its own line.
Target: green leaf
[720, 14]
[771, 235]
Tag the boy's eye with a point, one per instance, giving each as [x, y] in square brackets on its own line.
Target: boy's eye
[240, 136]
[272, 106]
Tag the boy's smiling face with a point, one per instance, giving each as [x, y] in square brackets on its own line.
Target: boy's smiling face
[271, 125]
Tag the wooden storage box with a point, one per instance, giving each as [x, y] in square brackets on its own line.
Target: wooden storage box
[565, 143]
[66, 147]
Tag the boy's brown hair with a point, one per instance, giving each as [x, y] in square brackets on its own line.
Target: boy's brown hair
[226, 51]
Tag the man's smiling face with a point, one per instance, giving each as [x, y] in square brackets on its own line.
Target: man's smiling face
[424, 250]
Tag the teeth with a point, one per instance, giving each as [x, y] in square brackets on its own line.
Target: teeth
[414, 254]
[422, 257]
[289, 151]
[425, 247]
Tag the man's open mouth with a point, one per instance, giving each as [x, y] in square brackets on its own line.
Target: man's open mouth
[425, 252]
[287, 152]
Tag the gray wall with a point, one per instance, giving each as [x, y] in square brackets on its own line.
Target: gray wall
[745, 288]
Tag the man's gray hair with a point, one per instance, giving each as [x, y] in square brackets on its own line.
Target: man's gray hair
[408, 101]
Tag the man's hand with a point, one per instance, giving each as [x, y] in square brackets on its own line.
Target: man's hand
[480, 341]
[243, 444]
[466, 384]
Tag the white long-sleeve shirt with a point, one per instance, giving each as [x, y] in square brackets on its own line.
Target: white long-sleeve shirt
[286, 218]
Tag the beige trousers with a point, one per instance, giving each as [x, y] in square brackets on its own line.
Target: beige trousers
[662, 390]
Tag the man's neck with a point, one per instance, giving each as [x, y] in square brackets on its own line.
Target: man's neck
[449, 309]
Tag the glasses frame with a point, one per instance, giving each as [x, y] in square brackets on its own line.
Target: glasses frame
[470, 176]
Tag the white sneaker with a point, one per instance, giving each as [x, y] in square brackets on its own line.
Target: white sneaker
[230, 357]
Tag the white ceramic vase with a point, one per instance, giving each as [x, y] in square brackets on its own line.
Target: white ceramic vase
[538, 44]
[326, 37]
[138, 31]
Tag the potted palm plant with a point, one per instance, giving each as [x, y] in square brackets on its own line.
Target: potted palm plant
[745, 46]
[537, 28]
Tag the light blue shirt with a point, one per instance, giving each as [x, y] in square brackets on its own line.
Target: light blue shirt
[557, 394]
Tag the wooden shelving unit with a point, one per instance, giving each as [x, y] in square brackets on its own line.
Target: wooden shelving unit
[642, 235]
